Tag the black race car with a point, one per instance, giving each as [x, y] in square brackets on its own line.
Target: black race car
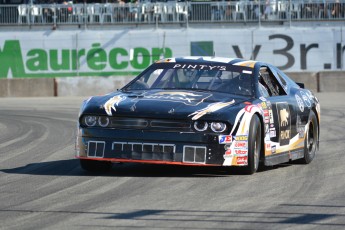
[201, 111]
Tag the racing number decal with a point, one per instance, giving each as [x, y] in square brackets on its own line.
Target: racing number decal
[284, 116]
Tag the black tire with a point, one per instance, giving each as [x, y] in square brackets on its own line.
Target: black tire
[311, 139]
[254, 145]
[95, 166]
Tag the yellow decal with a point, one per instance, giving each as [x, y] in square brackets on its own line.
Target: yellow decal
[284, 115]
[210, 109]
[250, 64]
[110, 104]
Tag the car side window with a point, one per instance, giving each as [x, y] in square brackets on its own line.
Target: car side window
[270, 83]
[263, 90]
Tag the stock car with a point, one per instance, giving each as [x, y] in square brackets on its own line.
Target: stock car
[201, 111]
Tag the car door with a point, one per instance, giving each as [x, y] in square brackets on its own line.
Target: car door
[282, 109]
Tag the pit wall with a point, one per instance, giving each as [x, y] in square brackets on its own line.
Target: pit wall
[326, 81]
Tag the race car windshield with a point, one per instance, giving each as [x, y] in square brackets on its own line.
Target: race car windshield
[224, 81]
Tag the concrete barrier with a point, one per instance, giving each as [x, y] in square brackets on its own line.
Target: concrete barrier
[308, 78]
[331, 81]
[28, 87]
[325, 81]
[89, 86]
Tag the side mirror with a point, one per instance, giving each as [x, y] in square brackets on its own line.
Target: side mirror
[300, 85]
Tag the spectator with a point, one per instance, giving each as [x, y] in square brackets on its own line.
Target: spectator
[133, 10]
[336, 11]
[268, 10]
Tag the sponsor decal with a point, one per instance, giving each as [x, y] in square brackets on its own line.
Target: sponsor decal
[227, 154]
[267, 138]
[241, 152]
[271, 116]
[266, 116]
[92, 60]
[210, 109]
[268, 146]
[300, 127]
[284, 115]
[249, 108]
[262, 98]
[174, 93]
[273, 132]
[241, 138]
[241, 144]
[191, 99]
[273, 149]
[112, 102]
[284, 123]
[269, 105]
[247, 72]
[225, 139]
[263, 105]
[199, 66]
[306, 99]
[310, 95]
[284, 135]
[299, 103]
[242, 160]
[301, 132]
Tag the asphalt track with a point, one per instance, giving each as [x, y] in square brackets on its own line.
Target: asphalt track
[43, 187]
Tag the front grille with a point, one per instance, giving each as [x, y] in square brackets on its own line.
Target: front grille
[135, 123]
[144, 151]
[150, 124]
[95, 149]
[194, 154]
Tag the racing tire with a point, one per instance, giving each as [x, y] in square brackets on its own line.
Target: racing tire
[95, 166]
[254, 145]
[311, 139]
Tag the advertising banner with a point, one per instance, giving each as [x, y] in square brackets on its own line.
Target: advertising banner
[128, 52]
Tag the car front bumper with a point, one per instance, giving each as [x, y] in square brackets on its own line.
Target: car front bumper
[149, 147]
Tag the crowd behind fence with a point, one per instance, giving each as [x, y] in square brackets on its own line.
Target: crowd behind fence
[173, 12]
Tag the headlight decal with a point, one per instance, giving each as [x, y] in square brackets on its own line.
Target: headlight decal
[103, 121]
[218, 127]
[90, 120]
[200, 126]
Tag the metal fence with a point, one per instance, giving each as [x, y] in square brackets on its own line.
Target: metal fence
[173, 12]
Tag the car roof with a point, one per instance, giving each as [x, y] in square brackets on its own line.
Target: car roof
[210, 59]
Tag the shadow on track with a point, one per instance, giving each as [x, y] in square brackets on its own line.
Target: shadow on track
[206, 217]
[71, 167]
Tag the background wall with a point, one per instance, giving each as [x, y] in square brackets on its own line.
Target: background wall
[88, 62]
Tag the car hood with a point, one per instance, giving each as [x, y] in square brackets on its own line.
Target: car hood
[173, 104]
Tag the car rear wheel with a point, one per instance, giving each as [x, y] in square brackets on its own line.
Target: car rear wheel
[254, 145]
[311, 138]
[95, 166]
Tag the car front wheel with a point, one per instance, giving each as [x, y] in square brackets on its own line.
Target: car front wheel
[311, 138]
[254, 145]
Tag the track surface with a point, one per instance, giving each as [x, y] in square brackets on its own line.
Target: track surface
[43, 187]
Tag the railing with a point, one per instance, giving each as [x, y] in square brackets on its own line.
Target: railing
[173, 12]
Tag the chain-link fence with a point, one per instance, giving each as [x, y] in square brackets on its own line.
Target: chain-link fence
[173, 12]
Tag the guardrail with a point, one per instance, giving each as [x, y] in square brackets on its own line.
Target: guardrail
[173, 12]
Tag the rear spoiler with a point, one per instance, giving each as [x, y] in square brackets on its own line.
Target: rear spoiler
[301, 85]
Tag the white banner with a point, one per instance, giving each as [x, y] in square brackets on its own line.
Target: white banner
[127, 52]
